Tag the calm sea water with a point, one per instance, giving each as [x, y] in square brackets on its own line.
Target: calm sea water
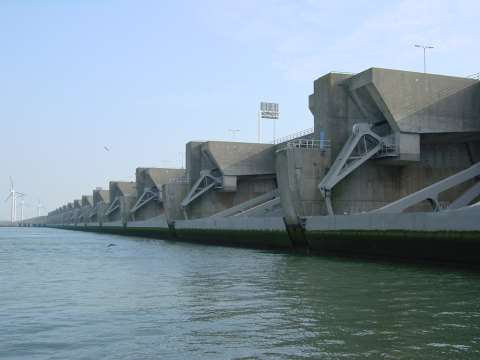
[68, 295]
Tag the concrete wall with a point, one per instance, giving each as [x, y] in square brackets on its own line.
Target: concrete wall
[100, 195]
[246, 170]
[147, 178]
[239, 159]
[173, 194]
[101, 199]
[334, 111]
[420, 103]
[411, 105]
[125, 192]
[374, 185]
[455, 220]
[153, 178]
[193, 160]
[248, 187]
[298, 173]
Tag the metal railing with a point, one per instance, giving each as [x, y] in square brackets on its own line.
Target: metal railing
[309, 144]
[388, 150]
[298, 134]
[184, 179]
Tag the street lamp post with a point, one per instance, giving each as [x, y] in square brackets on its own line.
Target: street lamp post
[182, 158]
[424, 47]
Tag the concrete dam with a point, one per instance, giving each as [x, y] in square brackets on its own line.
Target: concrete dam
[391, 168]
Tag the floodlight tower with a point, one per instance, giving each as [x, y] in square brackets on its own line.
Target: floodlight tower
[268, 110]
[425, 48]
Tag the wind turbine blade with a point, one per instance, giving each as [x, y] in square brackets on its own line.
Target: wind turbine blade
[8, 197]
[11, 182]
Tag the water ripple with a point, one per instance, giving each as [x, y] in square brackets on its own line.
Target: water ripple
[66, 295]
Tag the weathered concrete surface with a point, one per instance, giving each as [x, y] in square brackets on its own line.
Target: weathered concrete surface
[419, 103]
[240, 159]
[193, 161]
[99, 195]
[122, 196]
[244, 170]
[173, 194]
[235, 231]
[450, 220]
[115, 223]
[419, 110]
[68, 214]
[77, 211]
[431, 124]
[265, 205]
[452, 236]
[215, 201]
[334, 110]
[159, 221]
[86, 208]
[230, 158]
[101, 199]
[150, 181]
[298, 173]
[445, 236]
[231, 223]
[35, 221]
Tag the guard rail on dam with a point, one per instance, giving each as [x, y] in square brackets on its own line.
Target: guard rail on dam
[391, 168]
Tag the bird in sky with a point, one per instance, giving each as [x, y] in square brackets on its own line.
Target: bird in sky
[106, 148]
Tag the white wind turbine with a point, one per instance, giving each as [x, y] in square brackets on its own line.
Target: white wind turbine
[39, 207]
[14, 195]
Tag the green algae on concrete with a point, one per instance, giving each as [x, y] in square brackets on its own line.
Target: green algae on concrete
[242, 238]
[452, 246]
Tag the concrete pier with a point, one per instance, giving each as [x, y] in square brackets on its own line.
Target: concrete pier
[150, 196]
[391, 168]
[122, 196]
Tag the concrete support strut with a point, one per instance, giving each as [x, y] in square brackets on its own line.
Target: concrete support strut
[93, 213]
[113, 207]
[265, 201]
[144, 199]
[362, 145]
[205, 183]
[466, 198]
[430, 193]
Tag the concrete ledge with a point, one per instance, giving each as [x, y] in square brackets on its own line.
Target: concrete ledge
[412, 236]
[454, 220]
[261, 233]
[113, 223]
[233, 223]
[157, 221]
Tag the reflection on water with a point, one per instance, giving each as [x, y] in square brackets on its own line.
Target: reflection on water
[67, 295]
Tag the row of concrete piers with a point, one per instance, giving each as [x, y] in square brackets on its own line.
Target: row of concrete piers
[380, 137]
